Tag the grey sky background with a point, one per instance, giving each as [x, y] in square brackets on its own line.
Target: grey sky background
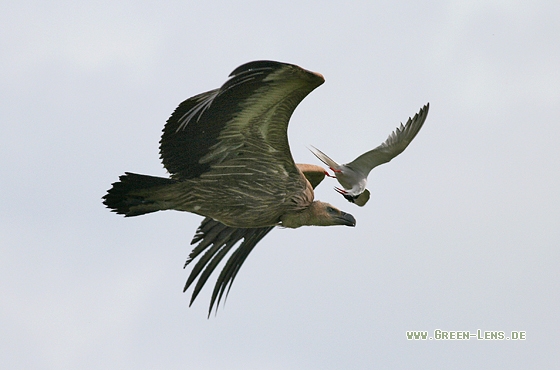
[461, 232]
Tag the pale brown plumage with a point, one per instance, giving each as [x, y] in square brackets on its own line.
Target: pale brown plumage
[228, 155]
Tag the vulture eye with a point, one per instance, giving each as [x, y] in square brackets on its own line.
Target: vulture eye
[331, 210]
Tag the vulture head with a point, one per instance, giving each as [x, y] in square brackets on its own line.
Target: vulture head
[318, 214]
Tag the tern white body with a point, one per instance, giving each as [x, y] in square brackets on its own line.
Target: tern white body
[353, 175]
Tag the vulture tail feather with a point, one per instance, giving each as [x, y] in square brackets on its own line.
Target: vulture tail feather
[130, 195]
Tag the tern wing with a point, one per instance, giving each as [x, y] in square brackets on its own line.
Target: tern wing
[324, 158]
[393, 146]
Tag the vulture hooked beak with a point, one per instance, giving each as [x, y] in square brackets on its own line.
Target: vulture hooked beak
[346, 219]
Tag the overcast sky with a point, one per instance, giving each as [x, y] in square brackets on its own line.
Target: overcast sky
[462, 231]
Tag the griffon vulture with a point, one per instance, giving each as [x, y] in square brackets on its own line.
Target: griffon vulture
[229, 159]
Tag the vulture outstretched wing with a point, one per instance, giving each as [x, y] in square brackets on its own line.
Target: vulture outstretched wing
[217, 239]
[243, 122]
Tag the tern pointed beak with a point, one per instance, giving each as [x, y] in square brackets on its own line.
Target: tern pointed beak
[340, 191]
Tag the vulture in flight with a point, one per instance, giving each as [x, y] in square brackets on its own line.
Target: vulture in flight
[229, 160]
[353, 176]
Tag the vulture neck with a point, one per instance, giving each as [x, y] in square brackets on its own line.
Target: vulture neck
[314, 215]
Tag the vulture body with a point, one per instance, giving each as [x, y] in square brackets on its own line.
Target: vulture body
[353, 175]
[217, 239]
[228, 155]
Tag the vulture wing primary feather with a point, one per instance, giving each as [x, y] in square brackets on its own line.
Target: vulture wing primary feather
[229, 160]
[353, 175]
[218, 239]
